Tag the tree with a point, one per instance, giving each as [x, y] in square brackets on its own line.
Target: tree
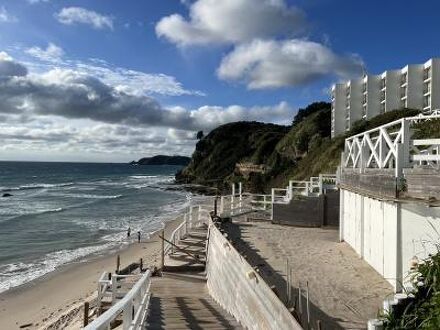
[311, 108]
[200, 135]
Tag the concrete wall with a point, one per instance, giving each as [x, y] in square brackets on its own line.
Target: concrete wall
[309, 211]
[389, 234]
[234, 284]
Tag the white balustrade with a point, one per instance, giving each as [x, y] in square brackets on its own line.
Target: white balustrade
[391, 146]
[133, 307]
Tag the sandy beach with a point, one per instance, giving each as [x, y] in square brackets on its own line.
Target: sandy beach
[38, 304]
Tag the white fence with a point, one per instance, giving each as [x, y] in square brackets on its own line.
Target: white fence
[133, 307]
[391, 146]
[194, 217]
[315, 186]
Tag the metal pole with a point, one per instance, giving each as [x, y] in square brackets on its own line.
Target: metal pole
[308, 305]
[300, 301]
[287, 281]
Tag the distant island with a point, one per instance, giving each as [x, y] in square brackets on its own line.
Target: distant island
[163, 160]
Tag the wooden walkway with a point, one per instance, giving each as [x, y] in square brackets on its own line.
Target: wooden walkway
[180, 297]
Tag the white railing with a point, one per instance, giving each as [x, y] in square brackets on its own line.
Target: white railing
[260, 202]
[280, 196]
[390, 146]
[195, 217]
[104, 284]
[426, 152]
[133, 307]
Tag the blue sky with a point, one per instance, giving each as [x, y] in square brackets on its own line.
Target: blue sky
[110, 80]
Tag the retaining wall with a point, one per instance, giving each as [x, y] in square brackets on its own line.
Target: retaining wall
[235, 285]
[309, 211]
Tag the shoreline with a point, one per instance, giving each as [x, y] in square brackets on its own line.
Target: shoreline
[40, 302]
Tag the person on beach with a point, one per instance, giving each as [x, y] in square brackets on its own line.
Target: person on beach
[139, 236]
[128, 232]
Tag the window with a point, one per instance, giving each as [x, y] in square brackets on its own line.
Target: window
[382, 108]
[383, 83]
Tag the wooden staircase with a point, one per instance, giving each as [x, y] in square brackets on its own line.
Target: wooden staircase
[180, 297]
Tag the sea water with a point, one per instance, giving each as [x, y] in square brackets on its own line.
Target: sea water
[64, 212]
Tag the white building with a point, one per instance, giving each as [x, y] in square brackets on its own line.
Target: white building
[416, 86]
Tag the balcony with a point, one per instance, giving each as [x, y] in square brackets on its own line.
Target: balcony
[427, 74]
[426, 88]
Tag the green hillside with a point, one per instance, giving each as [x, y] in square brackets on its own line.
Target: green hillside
[297, 152]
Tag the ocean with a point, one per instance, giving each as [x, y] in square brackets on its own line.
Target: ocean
[63, 212]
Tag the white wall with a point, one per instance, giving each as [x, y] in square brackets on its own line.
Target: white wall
[388, 234]
[370, 229]
[420, 232]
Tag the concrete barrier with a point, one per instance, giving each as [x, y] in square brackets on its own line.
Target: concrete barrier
[240, 290]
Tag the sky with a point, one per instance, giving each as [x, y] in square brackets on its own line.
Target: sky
[113, 81]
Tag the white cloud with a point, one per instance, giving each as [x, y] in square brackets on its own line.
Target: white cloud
[68, 114]
[78, 15]
[52, 53]
[74, 94]
[231, 21]
[6, 17]
[122, 79]
[272, 64]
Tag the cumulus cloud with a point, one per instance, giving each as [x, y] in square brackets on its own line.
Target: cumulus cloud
[52, 53]
[268, 52]
[231, 21]
[6, 17]
[74, 95]
[79, 15]
[10, 68]
[271, 64]
[123, 79]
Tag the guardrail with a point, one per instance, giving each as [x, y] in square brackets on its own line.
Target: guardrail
[391, 146]
[133, 307]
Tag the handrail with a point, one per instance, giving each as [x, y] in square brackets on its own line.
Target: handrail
[136, 299]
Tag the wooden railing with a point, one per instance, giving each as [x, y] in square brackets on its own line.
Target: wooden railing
[133, 307]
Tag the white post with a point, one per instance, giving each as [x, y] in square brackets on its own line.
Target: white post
[126, 317]
[222, 204]
[290, 190]
[190, 217]
[264, 200]
[232, 197]
[240, 195]
[198, 214]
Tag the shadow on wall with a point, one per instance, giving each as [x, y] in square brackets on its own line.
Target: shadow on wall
[276, 280]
